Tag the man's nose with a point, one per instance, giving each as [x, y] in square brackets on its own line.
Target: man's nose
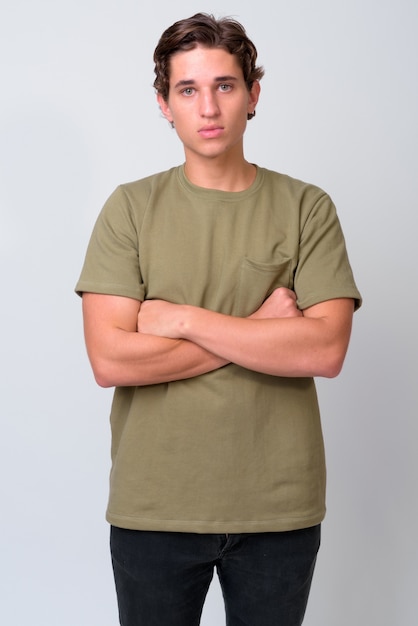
[209, 104]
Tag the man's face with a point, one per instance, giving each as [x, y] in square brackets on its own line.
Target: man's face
[208, 101]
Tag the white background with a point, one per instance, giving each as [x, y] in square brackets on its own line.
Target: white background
[338, 108]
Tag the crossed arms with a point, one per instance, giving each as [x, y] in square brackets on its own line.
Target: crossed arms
[130, 343]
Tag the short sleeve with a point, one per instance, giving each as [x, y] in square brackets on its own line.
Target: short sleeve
[323, 271]
[111, 264]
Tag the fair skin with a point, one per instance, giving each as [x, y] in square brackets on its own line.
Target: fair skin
[208, 103]
[134, 343]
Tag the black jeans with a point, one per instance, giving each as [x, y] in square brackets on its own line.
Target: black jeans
[162, 577]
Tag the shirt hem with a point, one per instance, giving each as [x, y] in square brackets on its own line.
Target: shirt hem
[215, 527]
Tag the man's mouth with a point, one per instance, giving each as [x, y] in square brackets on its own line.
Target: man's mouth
[211, 132]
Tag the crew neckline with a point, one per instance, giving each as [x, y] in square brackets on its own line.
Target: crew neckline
[219, 193]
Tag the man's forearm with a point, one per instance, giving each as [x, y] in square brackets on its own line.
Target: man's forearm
[280, 347]
[120, 356]
[313, 344]
[147, 360]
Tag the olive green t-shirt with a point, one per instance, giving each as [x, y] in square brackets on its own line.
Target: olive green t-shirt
[231, 451]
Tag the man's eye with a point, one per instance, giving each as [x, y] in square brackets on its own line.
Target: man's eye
[224, 87]
[189, 91]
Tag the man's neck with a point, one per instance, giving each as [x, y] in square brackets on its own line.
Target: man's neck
[219, 173]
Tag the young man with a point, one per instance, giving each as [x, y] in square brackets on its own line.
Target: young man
[213, 294]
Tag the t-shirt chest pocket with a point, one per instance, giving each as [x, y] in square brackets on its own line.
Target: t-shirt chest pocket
[257, 280]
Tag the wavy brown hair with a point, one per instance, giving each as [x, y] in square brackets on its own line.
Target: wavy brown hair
[205, 30]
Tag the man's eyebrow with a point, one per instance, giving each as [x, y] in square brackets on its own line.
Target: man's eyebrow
[184, 83]
[221, 79]
[191, 82]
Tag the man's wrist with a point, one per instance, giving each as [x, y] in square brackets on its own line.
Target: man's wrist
[183, 321]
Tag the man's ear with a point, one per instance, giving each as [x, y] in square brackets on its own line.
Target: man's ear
[165, 109]
[254, 96]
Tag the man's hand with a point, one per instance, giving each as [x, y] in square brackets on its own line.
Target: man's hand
[280, 303]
